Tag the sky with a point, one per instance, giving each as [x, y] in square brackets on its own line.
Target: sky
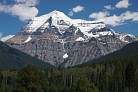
[119, 15]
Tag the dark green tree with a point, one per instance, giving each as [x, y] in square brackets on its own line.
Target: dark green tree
[130, 75]
[1, 78]
[32, 79]
[83, 85]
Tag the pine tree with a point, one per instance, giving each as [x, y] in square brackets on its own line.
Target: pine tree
[83, 85]
[130, 75]
[32, 79]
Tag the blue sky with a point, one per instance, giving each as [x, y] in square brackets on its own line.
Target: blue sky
[120, 15]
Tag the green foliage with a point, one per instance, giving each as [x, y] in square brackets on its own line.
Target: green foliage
[32, 78]
[130, 75]
[83, 85]
[118, 76]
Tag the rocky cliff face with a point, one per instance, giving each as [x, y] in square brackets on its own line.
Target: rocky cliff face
[59, 40]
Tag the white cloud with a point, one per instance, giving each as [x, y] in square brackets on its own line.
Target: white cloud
[70, 13]
[24, 13]
[123, 4]
[78, 9]
[6, 38]
[24, 9]
[112, 20]
[99, 15]
[116, 20]
[27, 2]
[75, 10]
[129, 16]
[108, 7]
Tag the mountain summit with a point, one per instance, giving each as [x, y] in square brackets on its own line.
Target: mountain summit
[55, 18]
[60, 40]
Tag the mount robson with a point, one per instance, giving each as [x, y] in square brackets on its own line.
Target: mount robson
[61, 41]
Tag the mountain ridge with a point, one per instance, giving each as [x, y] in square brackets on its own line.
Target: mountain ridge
[128, 52]
[54, 35]
[15, 59]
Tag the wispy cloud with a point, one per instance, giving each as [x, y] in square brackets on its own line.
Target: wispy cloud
[115, 20]
[70, 13]
[27, 2]
[108, 7]
[120, 4]
[123, 4]
[76, 9]
[99, 15]
[133, 16]
[24, 9]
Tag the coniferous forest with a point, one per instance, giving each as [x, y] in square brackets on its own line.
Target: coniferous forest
[115, 76]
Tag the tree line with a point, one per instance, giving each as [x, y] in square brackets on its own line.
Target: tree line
[115, 76]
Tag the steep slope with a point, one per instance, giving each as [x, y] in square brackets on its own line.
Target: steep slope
[130, 50]
[13, 58]
[57, 39]
[127, 53]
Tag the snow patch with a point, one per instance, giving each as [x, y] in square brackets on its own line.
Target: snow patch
[65, 55]
[86, 26]
[3, 39]
[28, 39]
[80, 39]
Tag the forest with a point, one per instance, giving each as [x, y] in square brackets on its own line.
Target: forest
[120, 75]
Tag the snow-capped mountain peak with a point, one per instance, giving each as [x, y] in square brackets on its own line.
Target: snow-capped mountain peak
[56, 18]
[58, 39]
[59, 18]
[62, 22]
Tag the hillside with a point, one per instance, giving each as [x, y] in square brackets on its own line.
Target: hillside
[124, 55]
[129, 51]
[13, 58]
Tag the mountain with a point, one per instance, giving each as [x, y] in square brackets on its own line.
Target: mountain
[60, 40]
[128, 53]
[13, 58]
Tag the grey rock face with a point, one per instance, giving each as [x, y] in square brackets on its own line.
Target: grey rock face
[67, 44]
[49, 48]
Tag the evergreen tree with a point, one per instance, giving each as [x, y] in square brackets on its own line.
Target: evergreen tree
[130, 75]
[1, 78]
[32, 79]
[83, 85]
